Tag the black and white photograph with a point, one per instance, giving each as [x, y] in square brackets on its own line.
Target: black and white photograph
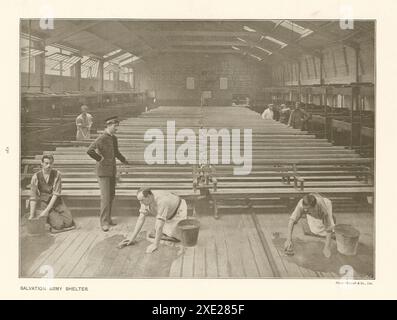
[180, 148]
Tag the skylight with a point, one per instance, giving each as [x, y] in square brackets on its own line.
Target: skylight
[54, 61]
[89, 68]
[66, 64]
[254, 56]
[246, 28]
[33, 52]
[111, 67]
[295, 28]
[280, 43]
[242, 40]
[112, 53]
[132, 59]
[263, 49]
[235, 48]
[124, 56]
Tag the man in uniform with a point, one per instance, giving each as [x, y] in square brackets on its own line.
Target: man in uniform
[83, 124]
[45, 197]
[298, 117]
[168, 209]
[105, 151]
[320, 221]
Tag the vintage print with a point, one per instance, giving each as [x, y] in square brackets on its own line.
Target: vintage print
[197, 149]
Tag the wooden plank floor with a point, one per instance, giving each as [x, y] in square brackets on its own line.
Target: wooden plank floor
[308, 260]
[227, 248]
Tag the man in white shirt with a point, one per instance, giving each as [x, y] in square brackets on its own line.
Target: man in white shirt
[318, 211]
[268, 113]
[168, 209]
[83, 124]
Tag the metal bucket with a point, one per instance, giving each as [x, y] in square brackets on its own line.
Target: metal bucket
[347, 239]
[189, 230]
[36, 225]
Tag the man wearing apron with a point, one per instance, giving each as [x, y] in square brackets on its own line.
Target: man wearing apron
[318, 211]
[83, 124]
[168, 209]
[45, 197]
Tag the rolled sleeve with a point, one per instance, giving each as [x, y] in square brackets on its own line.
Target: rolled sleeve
[144, 210]
[57, 187]
[79, 122]
[326, 207]
[162, 212]
[297, 214]
[34, 189]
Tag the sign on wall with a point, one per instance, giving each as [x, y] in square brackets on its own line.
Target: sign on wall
[223, 83]
[189, 83]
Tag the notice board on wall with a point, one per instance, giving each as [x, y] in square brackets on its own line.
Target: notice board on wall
[189, 83]
[223, 83]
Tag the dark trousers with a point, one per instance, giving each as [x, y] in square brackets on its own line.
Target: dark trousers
[108, 187]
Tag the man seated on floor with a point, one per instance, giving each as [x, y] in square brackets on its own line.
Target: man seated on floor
[45, 197]
[168, 209]
[319, 220]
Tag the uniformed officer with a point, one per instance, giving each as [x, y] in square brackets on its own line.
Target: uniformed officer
[105, 151]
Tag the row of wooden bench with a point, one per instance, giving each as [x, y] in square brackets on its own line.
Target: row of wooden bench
[282, 157]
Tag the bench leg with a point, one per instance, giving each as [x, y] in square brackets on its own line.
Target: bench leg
[216, 216]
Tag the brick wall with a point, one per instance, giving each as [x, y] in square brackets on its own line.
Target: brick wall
[167, 75]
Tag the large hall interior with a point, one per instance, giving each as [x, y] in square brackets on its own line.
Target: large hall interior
[291, 101]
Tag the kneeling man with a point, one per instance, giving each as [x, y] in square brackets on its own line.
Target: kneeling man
[168, 209]
[45, 197]
[318, 211]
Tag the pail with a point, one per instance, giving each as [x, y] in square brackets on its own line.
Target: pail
[189, 230]
[36, 225]
[346, 239]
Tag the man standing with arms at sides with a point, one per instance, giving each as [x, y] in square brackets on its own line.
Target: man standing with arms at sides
[83, 124]
[105, 151]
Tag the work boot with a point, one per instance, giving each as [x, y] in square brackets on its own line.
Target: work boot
[112, 223]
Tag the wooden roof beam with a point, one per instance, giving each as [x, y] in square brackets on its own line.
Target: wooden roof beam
[74, 30]
[289, 44]
[276, 52]
[113, 56]
[208, 43]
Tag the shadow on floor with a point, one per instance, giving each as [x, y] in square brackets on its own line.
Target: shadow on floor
[308, 254]
[31, 247]
[131, 261]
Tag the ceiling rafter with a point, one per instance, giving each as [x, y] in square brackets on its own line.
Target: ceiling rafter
[154, 50]
[331, 37]
[113, 56]
[207, 43]
[75, 29]
[191, 33]
[290, 44]
[258, 42]
[274, 52]
[176, 50]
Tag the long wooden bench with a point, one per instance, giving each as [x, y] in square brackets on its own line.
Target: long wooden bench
[282, 157]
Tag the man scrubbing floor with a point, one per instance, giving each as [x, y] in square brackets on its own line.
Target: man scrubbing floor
[319, 221]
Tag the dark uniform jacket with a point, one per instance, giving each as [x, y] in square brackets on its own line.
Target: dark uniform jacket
[105, 150]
